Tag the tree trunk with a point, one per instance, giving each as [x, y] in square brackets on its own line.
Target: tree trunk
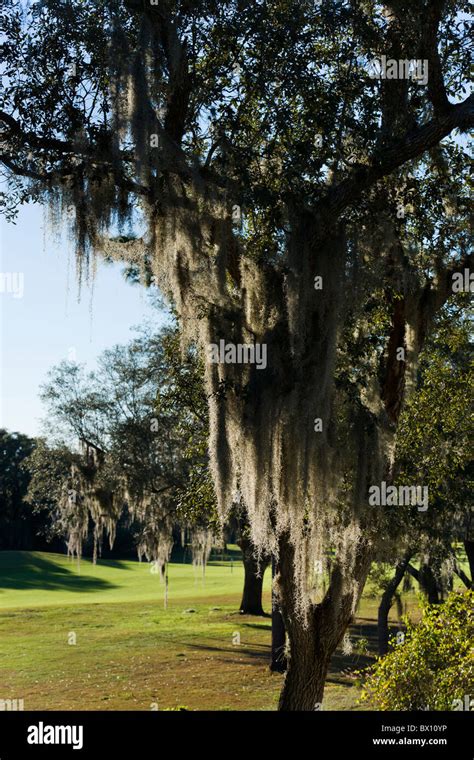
[460, 573]
[313, 640]
[469, 548]
[429, 585]
[307, 669]
[386, 603]
[427, 581]
[251, 603]
[278, 662]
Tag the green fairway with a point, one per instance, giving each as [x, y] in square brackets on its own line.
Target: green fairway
[131, 653]
[33, 579]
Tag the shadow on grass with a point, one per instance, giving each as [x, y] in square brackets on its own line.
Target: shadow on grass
[25, 570]
[344, 666]
[252, 651]
[257, 626]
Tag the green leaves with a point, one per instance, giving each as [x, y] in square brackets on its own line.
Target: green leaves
[434, 667]
[436, 426]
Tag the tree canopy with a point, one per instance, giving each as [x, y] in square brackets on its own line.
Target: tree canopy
[137, 430]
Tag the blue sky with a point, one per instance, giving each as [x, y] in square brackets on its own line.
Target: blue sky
[47, 323]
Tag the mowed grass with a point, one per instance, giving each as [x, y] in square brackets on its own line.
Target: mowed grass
[38, 579]
[130, 652]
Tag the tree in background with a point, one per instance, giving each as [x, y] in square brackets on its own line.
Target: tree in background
[131, 446]
[17, 523]
[65, 484]
[435, 441]
[434, 445]
[294, 199]
[49, 468]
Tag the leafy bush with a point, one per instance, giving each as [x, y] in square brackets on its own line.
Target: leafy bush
[433, 667]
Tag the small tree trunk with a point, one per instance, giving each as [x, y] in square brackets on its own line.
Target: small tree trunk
[386, 603]
[251, 603]
[469, 548]
[460, 573]
[429, 585]
[427, 581]
[166, 588]
[278, 662]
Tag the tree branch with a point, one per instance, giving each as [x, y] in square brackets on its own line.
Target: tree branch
[176, 57]
[427, 302]
[429, 50]
[462, 575]
[22, 171]
[413, 572]
[33, 140]
[413, 145]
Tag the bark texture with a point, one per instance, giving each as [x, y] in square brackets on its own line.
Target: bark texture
[313, 640]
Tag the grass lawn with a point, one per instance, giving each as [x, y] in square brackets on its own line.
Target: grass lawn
[130, 652]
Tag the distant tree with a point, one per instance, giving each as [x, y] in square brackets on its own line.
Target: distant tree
[436, 430]
[17, 524]
[144, 412]
[48, 468]
[129, 446]
[62, 486]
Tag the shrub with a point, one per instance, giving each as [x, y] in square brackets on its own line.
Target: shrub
[433, 668]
